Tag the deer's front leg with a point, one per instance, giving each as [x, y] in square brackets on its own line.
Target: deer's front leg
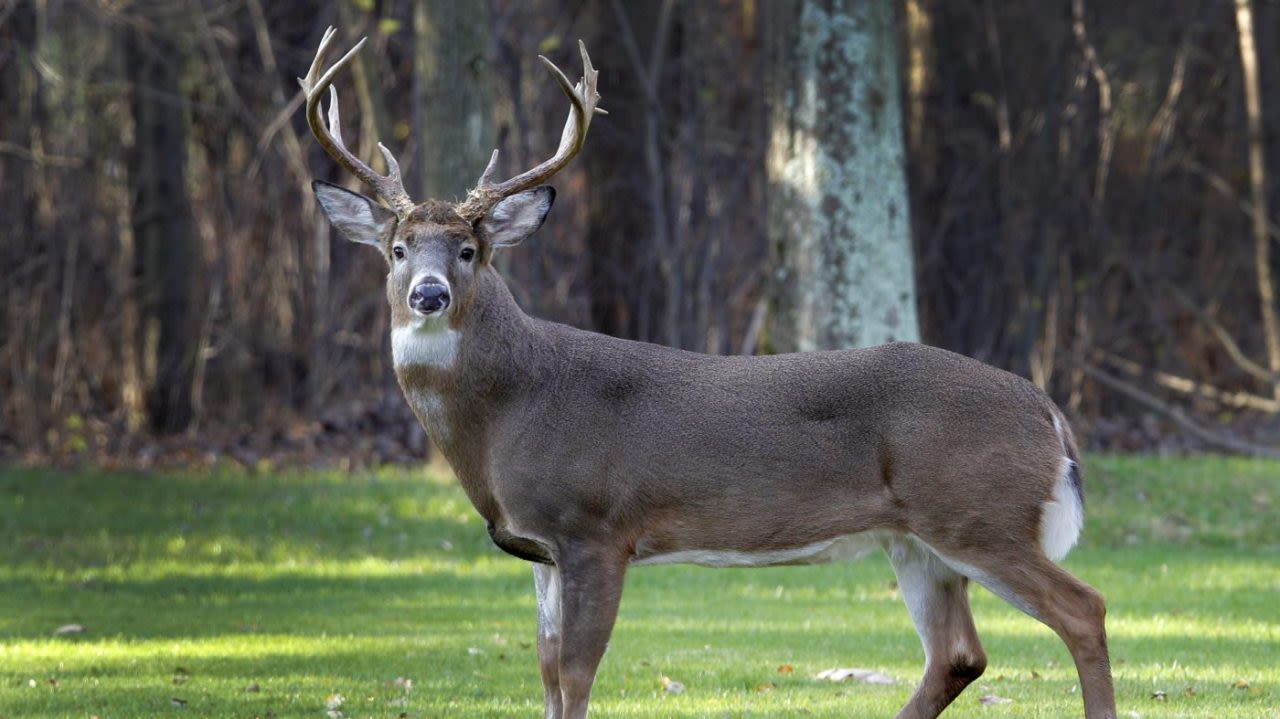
[590, 584]
[546, 582]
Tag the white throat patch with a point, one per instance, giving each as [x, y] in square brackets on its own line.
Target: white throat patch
[431, 343]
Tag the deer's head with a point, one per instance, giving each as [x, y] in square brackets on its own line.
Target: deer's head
[435, 250]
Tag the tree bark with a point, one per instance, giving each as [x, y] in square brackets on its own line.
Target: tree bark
[622, 278]
[166, 242]
[838, 215]
[452, 107]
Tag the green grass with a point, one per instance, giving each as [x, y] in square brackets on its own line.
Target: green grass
[265, 595]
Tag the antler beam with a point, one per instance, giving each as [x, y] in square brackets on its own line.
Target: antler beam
[582, 99]
[389, 187]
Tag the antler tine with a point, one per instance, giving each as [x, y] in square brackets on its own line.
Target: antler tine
[582, 107]
[389, 187]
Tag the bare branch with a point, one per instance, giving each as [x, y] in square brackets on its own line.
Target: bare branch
[1216, 439]
[1185, 385]
[1228, 342]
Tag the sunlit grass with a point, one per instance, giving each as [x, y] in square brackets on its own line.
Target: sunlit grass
[244, 595]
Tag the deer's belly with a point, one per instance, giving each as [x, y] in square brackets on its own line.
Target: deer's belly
[836, 549]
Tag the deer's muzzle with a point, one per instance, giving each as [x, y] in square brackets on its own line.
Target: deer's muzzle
[429, 297]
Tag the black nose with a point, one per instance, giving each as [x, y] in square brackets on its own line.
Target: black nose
[429, 297]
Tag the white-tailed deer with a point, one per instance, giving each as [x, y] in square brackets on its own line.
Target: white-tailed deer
[587, 454]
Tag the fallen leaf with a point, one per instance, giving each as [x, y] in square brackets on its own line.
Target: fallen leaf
[866, 676]
[766, 687]
[672, 686]
[69, 629]
[987, 700]
[1240, 684]
[1189, 691]
[786, 669]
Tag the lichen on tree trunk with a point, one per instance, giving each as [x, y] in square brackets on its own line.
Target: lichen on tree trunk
[838, 212]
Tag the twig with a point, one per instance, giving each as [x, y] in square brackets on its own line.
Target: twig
[1239, 400]
[39, 158]
[751, 340]
[1106, 138]
[1216, 439]
[1224, 188]
[1228, 342]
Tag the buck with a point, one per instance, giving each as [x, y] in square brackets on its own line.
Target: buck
[587, 454]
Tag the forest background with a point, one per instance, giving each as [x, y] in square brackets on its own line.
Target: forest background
[1091, 192]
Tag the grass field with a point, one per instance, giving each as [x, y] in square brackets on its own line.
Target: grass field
[226, 594]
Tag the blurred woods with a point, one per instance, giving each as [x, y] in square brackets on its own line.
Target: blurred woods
[1090, 190]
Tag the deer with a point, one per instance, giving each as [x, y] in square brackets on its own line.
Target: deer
[587, 455]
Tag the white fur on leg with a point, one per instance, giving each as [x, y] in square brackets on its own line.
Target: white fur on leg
[546, 582]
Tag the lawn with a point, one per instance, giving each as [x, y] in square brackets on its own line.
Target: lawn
[234, 594]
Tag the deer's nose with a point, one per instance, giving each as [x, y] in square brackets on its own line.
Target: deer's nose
[429, 297]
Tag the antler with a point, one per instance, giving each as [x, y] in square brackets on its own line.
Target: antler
[390, 188]
[582, 98]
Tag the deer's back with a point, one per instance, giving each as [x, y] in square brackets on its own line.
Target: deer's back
[867, 432]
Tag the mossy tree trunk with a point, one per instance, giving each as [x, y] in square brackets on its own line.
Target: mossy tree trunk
[838, 214]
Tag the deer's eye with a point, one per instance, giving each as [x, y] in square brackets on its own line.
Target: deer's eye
[467, 254]
[398, 252]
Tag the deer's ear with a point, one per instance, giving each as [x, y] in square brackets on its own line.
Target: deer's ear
[518, 216]
[359, 218]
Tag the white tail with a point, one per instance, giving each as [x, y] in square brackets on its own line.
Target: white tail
[588, 454]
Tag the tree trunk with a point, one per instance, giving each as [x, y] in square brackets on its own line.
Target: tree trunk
[20, 227]
[452, 107]
[621, 240]
[837, 203]
[1258, 187]
[165, 238]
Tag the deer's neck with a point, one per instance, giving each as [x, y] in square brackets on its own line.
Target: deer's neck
[456, 374]
[459, 376]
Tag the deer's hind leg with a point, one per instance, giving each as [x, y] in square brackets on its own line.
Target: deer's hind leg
[1071, 608]
[938, 599]
[546, 580]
